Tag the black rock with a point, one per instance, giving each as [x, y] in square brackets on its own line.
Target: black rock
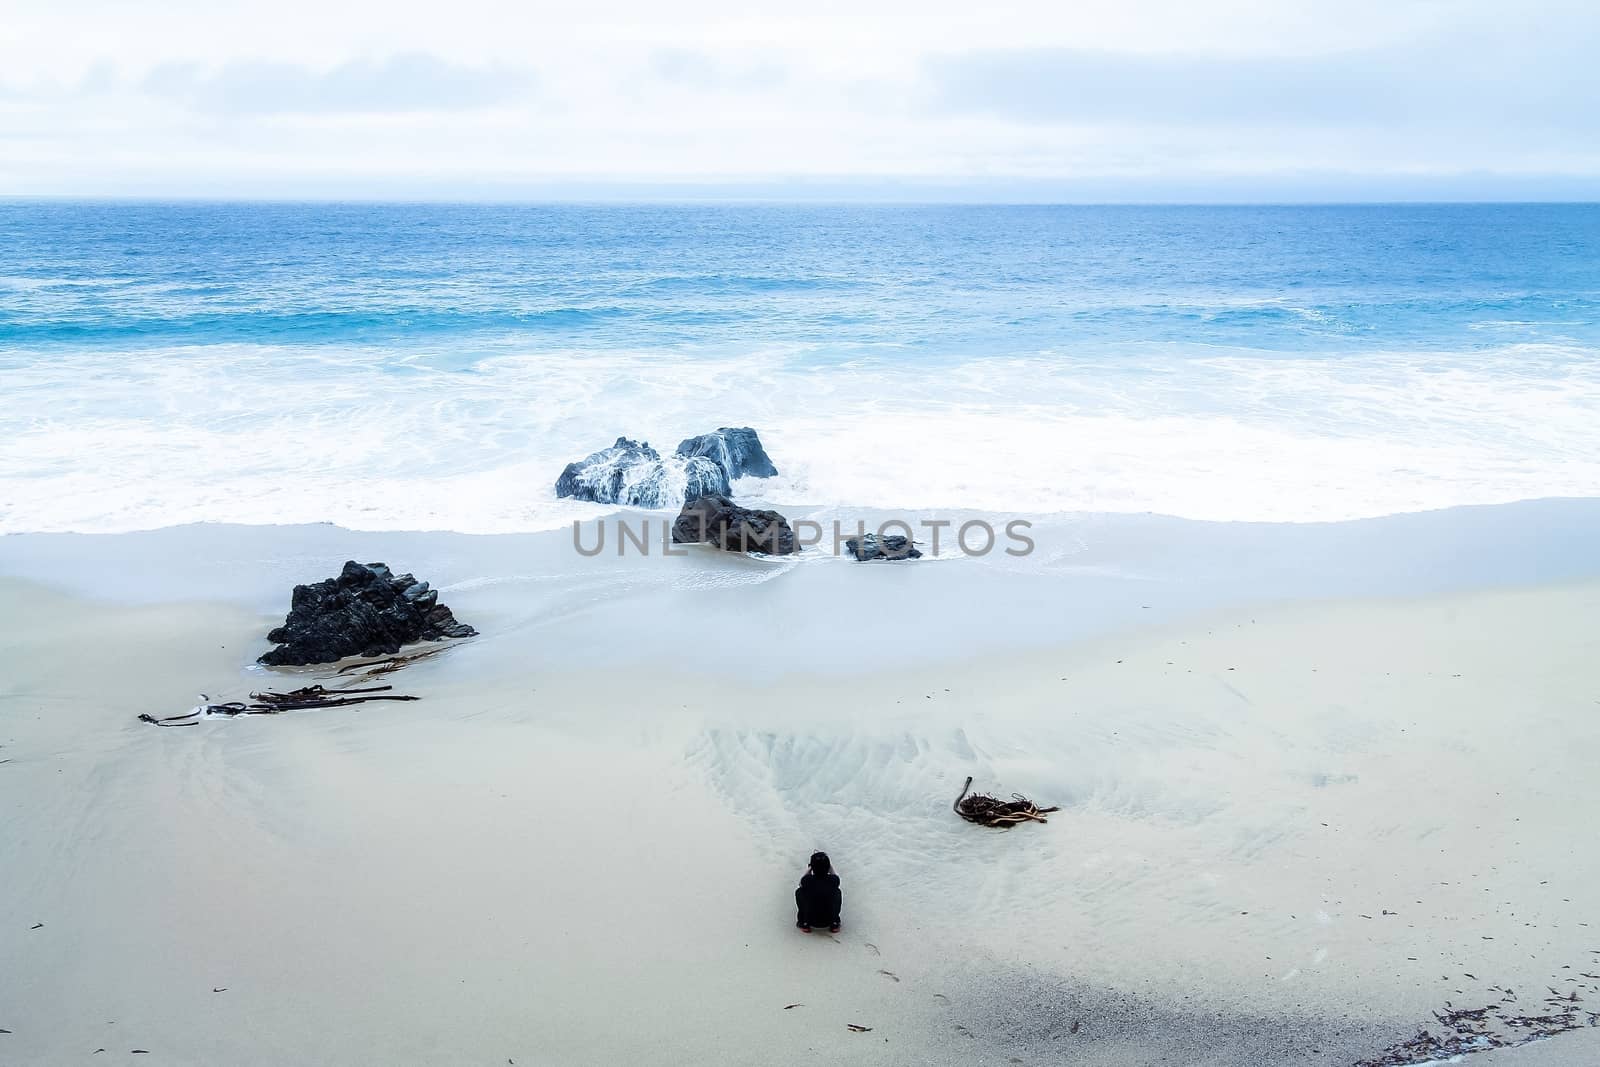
[736, 449]
[888, 546]
[366, 611]
[634, 474]
[714, 519]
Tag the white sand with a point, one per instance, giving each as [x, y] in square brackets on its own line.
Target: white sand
[554, 866]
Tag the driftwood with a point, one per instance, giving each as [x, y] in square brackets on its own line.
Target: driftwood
[393, 663]
[271, 703]
[315, 696]
[986, 810]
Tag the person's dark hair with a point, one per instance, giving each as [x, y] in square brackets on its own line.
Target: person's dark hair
[820, 864]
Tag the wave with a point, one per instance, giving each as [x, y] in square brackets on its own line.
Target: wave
[263, 325]
[377, 438]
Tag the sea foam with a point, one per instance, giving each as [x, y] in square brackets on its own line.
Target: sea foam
[374, 438]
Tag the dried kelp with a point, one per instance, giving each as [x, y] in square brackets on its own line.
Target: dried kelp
[1464, 1031]
[269, 702]
[315, 696]
[391, 664]
[986, 810]
[272, 703]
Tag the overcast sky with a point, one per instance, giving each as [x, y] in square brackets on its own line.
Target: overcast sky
[1087, 99]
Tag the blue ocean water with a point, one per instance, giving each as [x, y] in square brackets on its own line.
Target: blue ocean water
[434, 366]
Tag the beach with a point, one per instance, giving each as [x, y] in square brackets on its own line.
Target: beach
[1287, 604]
[1296, 820]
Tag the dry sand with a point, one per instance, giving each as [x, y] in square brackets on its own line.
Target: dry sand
[1289, 834]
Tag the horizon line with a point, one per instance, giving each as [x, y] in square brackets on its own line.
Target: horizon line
[1307, 188]
[777, 200]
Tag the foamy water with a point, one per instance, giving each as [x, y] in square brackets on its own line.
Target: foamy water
[254, 435]
[435, 368]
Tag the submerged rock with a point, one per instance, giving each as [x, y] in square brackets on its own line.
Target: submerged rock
[634, 474]
[366, 611]
[736, 449]
[888, 546]
[714, 519]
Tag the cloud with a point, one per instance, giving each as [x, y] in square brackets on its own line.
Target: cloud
[1100, 98]
[703, 70]
[1465, 83]
[399, 84]
[1061, 84]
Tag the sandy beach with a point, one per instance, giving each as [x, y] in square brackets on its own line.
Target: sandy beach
[491, 493]
[1290, 830]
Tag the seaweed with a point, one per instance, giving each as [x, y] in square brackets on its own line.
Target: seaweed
[986, 810]
[1465, 1031]
[391, 664]
[269, 702]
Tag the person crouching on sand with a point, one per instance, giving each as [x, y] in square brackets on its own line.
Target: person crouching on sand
[818, 897]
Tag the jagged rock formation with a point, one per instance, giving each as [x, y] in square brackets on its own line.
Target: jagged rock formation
[888, 546]
[634, 474]
[736, 449]
[714, 519]
[366, 611]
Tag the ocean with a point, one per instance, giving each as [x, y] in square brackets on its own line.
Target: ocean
[1319, 782]
[433, 367]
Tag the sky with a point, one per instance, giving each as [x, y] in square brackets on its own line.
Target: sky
[1102, 100]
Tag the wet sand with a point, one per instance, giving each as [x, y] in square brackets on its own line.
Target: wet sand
[1289, 834]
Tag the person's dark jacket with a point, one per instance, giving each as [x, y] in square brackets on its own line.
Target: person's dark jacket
[818, 899]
